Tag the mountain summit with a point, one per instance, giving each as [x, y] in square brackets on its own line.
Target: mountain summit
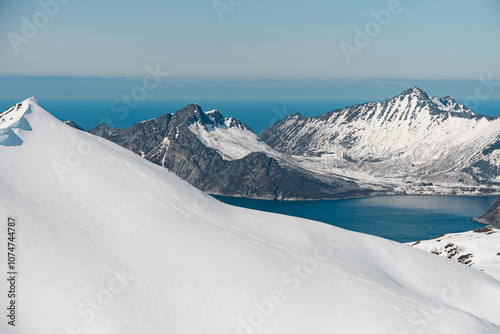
[440, 104]
[415, 91]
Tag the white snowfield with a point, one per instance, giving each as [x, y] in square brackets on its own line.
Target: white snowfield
[109, 243]
[478, 248]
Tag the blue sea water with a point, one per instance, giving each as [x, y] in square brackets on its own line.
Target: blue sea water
[257, 114]
[398, 218]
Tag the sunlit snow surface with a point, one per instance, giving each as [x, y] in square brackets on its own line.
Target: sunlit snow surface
[230, 140]
[89, 211]
[479, 248]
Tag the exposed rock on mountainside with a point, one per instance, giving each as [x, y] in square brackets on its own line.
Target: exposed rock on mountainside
[74, 125]
[479, 248]
[492, 217]
[223, 156]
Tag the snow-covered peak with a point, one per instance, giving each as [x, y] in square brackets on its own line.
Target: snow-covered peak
[446, 104]
[193, 113]
[412, 94]
[414, 91]
[411, 101]
[32, 100]
[13, 122]
[216, 117]
[13, 116]
[228, 136]
[449, 104]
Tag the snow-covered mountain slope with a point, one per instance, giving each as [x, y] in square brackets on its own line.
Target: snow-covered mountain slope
[110, 243]
[409, 140]
[229, 137]
[222, 156]
[448, 103]
[479, 248]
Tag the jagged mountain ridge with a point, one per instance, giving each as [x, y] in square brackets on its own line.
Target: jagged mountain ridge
[223, 156]
[410, 138]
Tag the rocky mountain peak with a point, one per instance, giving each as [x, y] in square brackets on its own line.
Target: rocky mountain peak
[192, 113]
[415, 91]
[216, 116]
[190, 109]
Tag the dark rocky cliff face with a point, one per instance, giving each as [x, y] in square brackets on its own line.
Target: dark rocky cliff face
[140, 138]
[168, 142]
[492, 217]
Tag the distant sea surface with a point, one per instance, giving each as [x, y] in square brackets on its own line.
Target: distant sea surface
[256, 114]
[398, 218]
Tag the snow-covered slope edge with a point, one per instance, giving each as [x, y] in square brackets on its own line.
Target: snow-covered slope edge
[479, 248]
[110, 243]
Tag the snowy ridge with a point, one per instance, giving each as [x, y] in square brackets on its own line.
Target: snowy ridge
[478, 248]
[410, 138]
[234, 140]
[14, 116]
[230, 138]
[13, 122]
[448, 103]
[121, 245]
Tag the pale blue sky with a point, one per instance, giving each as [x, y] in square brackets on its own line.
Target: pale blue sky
[258, 39]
